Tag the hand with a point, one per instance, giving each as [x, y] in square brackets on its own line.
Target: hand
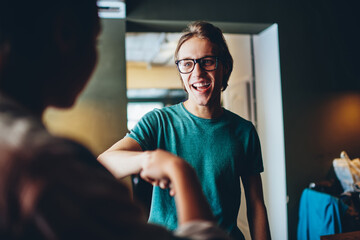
[157, 167]
[167, 170]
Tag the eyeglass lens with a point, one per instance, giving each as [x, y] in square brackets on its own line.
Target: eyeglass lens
[206, 63]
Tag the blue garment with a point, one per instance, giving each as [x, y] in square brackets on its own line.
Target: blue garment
[319, 214]
[220, 150]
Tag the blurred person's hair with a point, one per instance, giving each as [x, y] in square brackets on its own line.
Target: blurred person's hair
[27, 35]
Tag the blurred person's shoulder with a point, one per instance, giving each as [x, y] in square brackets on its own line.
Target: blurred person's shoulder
[18, 125]
[24, 133]
[72, 150]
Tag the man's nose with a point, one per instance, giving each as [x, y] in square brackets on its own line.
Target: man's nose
[197, 69]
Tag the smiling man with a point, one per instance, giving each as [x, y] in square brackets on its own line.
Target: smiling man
[221, 146]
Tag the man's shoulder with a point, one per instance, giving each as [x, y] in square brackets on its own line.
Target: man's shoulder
[19, 128]
[164, 113]
[24, 133]
[169, 109]
[237, 119]
[75, 150]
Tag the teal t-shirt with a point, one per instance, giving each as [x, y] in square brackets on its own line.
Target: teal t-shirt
[220, 150]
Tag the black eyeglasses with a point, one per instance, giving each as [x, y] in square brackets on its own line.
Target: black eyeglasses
[208, 63]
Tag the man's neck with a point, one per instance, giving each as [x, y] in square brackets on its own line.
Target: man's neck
[31, 106]
[207, 112]
[37, 109]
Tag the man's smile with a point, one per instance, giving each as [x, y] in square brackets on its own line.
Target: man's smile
[201, 86]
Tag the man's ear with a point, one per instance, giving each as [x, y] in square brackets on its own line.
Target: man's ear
[226, 69]
[65, 32]
[1, 59]
[4, 53]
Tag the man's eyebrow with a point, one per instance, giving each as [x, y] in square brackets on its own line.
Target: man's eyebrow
[197, 58]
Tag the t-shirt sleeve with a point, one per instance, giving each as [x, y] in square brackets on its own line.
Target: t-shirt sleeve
[146, 130]
[253, 153]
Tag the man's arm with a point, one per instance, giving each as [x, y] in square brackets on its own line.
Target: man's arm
[162, 168]
[256, 210]
[124, 158]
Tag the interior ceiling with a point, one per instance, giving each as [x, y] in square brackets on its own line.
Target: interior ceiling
[151, 48]
[154, 42]
[141, 25]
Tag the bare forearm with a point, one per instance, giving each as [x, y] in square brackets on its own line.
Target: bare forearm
[123, 158]
[122, 163]
[256, 210]
[258, 222]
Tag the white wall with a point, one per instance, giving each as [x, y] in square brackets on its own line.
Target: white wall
[270, 128]
[235, 98]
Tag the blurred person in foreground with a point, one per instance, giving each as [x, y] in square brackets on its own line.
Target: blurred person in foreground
[54, 188]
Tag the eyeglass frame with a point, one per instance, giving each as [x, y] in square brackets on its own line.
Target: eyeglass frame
[195, 61]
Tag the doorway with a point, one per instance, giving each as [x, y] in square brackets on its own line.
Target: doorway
[254, 93]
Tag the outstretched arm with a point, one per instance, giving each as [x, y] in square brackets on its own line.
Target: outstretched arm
[256, 210]
[123, 158]
[161, 168]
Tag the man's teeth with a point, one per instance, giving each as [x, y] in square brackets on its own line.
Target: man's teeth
[198, 85]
